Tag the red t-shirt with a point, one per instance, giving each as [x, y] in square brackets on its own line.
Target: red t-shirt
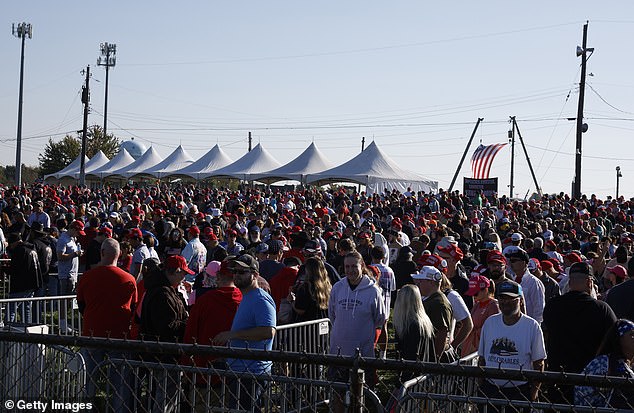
[109, 296]
[281, 283]
[212, 313]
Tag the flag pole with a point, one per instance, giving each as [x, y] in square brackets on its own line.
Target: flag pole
[464, 155]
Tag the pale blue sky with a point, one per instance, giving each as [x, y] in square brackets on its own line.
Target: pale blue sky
[414, 76]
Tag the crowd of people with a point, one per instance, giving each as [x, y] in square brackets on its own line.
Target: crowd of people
[542, 284]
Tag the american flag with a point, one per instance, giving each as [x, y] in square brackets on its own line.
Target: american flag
[482, 159]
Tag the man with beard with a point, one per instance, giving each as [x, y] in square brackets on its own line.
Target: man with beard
[496, 266]
[254, 328]
[511, 340]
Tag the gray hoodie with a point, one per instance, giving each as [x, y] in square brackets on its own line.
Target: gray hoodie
[355, 316]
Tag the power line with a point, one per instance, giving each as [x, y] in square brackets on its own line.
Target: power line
[356, 51]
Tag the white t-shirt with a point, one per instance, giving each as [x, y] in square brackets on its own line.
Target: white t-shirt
[460, 310]
[511, 347]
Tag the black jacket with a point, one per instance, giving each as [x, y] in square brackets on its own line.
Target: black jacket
[163, 311]
[574, 325]
[25, 272]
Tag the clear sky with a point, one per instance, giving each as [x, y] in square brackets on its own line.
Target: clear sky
[413, 76]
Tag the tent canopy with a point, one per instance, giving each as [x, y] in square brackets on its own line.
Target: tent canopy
[95, 162]
[175, 161]
[149, 159]
[72, 167]
[311, 161]
[213, 160]
[256, 161]
[377, 171]
[121, 159]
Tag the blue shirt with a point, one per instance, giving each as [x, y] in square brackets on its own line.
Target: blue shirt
[69, 268]
[257, 309]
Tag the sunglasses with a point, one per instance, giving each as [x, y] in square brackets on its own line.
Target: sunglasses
[240, 271]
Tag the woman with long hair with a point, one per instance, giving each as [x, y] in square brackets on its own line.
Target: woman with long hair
[614, 358]
[413, 328]
[311, 297]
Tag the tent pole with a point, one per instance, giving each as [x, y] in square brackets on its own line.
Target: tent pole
[528, 159]
[453, 181]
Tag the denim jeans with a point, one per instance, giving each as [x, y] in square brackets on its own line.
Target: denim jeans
[24, 308]
[119, 377]
[245, 394]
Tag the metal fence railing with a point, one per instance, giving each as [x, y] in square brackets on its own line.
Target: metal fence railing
[120, 375]
[59, 313]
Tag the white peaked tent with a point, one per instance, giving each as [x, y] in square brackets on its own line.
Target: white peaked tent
[377, 171]
[311, 161]
[256, 161]
[175, 161]
[149, 159]
[213, 160]
[95, 162]
[72, 167]
[121, 159]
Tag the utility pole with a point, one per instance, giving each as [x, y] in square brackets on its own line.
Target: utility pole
[250, 141]
[22, 31]
[107, 59]
[85, 99]
[618, 177]
[581, 127]
[512, 138]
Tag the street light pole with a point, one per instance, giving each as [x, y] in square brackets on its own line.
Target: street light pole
[581, 127]
[618, 177]
[22, 31]
[108, 59]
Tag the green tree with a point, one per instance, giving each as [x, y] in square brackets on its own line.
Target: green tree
[58, 155]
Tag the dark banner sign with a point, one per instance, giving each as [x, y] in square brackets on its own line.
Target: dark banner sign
[472, 186]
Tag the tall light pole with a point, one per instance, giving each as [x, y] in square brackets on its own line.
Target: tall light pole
[618, 177]
[581, 127]
[107, 59]
[22, 31]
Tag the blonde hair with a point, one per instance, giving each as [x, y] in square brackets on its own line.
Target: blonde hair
[409, 310]
[318, 281]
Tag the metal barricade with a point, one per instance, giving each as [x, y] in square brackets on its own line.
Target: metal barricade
[48, 311]
[39, 371]
[436, 384]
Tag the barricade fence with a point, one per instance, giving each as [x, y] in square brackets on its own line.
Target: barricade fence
[122, 375]
[59, 314]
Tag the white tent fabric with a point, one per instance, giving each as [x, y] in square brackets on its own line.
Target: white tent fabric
[95, 162]
[213, 160]
[72, 167]
[149, 159]
[121, 160]
[256, 161]
[377, 171]
[311, 161]
[175, 161]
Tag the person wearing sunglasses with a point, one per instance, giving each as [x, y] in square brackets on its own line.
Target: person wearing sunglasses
[253, 328]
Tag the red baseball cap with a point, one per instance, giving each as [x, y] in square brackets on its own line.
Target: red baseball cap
[619, 271]
[209, 233]
[177, 261]
[495, 256]
[105, 231]
[194, 230]
[453, 250]
[477, 283]
[135, 233]
[78, 225]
